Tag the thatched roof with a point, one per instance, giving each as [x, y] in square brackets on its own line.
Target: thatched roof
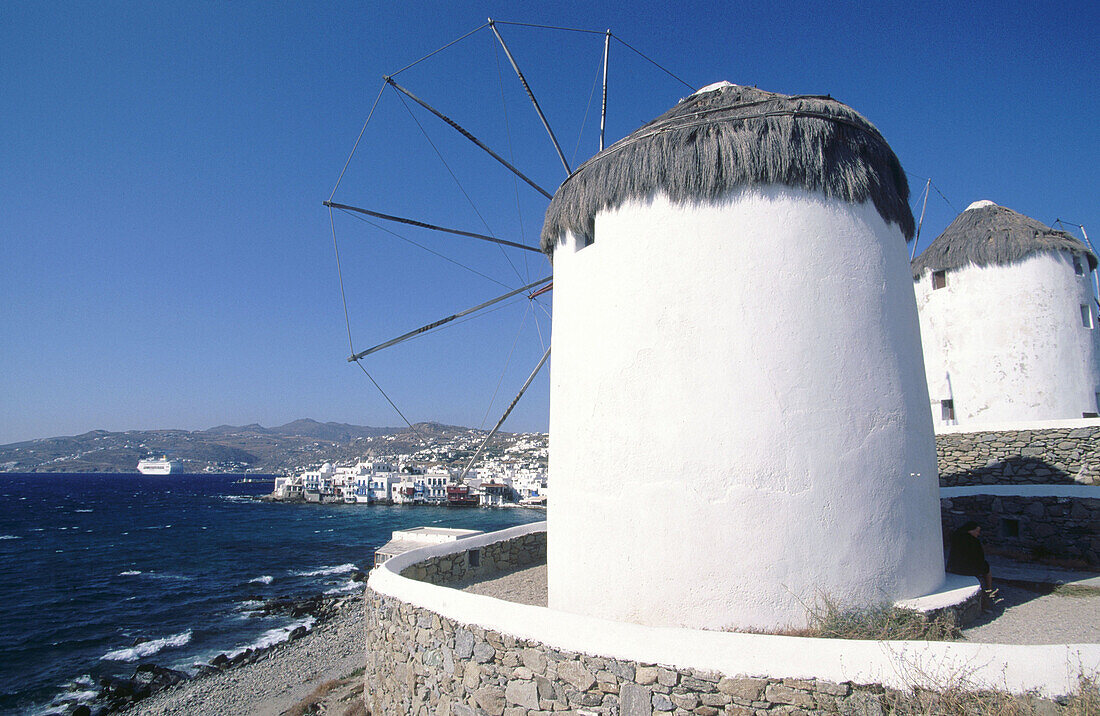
[728, 136]
[988, 234]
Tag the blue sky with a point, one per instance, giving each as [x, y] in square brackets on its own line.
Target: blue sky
[167, 262]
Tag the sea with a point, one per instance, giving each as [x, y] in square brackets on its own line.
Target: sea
[102, 572]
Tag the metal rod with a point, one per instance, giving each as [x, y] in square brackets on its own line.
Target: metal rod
[464, 133]
[424, 225]
[1096, 275]
[448, 319]
[603, 108]
[919, 223]
[531, 96]
[504, 417]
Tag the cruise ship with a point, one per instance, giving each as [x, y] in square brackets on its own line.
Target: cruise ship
[155, 466]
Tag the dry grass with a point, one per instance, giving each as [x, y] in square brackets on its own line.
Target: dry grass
[1079, 591]
[317, 701]
[356, 709]
[955, 698]
[312, 703]
[881, 623]
[828, 620]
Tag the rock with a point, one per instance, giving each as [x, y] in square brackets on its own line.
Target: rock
[241, 658]
[464, 644]
[157, 677]
[575, 673]
[662, 703]
[779, 694]
[483, 652]
[491, 699]
[220, 661]
[534, 660]
[635, 700]
[523, 693]
[747, 689]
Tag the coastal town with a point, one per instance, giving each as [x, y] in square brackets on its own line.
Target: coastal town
[512, 475]
[388, 483]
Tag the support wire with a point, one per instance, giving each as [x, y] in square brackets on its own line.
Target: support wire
[504, 417]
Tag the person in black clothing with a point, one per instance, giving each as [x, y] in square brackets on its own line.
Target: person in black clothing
[967, 557]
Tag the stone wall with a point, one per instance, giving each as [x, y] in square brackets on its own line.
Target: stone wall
[420, 663]
[1061, 527]
[1018, 457]
[503, 556]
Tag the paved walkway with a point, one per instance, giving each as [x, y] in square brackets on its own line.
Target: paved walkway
[1035, 606]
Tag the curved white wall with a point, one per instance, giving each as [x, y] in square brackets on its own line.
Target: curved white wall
[1047, 669]
[1007, 342]
[738, 415]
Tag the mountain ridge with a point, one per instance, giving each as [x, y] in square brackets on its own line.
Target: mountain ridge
[290, 447]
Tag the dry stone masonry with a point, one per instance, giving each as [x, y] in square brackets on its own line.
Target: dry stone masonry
[481, 563]
[1063, 456]
[421, 663]
[1034, 527]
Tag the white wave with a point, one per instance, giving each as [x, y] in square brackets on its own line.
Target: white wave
[349, 586]
[237, 498]
[271, 637]
[147, 648]
[84, 510]
[76, 697]
[130, 573]
[157, 527]
[177, 577]
[266, 579]
[324, 571]
[10, 537]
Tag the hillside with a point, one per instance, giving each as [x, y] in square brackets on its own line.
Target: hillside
[253, 448]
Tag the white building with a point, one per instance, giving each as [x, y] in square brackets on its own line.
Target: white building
[1008, 321]
[529, 483]
[433, 485]
[381, 486]
[738, 412]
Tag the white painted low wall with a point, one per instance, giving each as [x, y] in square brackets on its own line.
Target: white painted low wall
[1074, 491]
[1016, 426]
[1048, 669]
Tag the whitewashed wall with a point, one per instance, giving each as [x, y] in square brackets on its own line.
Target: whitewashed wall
[1007, 342]
[739, 418]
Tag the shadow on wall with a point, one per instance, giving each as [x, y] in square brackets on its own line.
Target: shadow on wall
[1056, 530]
[1028, 456]
[1011, 471]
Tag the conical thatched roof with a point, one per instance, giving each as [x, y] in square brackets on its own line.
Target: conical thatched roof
[727, 136]
[988, 234]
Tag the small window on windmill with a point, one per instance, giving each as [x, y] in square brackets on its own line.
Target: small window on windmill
[947, 410]
[588, 241]
[1098, 402]
[473, 557]
[1078, 268]
[1086, 316]
[939, 279]
[1010, 527]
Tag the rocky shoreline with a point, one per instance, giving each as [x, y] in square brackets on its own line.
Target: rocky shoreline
[149, 679]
